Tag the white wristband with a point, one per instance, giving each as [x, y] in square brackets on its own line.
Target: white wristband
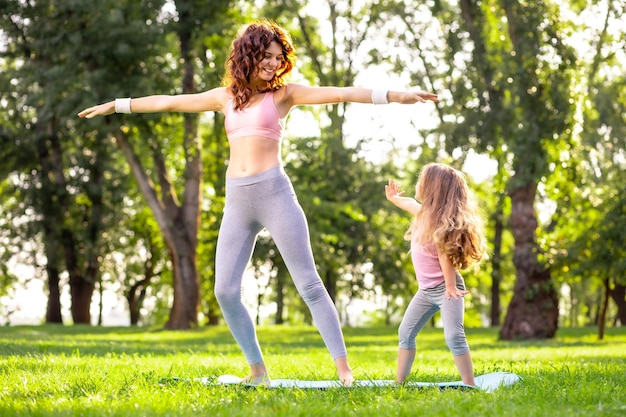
[379, 97]
[122, 105]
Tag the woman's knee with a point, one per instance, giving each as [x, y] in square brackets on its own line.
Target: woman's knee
[313, 292]
[226, 295]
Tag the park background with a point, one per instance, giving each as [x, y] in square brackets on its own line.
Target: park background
[121, 213]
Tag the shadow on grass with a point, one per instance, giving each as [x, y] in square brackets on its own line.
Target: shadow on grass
[97, 341]
[100, 341]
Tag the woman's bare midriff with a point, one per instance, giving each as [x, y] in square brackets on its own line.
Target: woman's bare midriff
[252, 155]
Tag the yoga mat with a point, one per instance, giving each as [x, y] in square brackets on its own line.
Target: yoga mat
[487, 382]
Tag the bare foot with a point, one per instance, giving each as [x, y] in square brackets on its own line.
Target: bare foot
[344, 372]
[258, 375]
[346, 378]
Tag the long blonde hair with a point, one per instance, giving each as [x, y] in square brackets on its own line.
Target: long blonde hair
[449, 217]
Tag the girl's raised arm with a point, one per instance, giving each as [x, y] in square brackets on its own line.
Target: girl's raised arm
[395, 195]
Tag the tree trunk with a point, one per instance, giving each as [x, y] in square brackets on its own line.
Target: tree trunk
[533, 311]
[51, 248]
[134, 307]
[53, 309]
[100, 303]
[184, 313]
[82, 279]
[84, 269]
[137, 292]
[82, 285]
[213, 319]
[618, 294]
[51, 198]
[136, 295]
[81, 290]
[183, 242]
[496, 266]
[179, 226]
[605, 307]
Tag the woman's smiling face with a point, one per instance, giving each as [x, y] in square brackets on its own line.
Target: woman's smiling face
[271, 62]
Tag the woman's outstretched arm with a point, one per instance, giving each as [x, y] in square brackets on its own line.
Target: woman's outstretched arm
[298, 94]
[211, 100]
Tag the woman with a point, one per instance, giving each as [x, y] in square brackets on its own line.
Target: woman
[256, 99]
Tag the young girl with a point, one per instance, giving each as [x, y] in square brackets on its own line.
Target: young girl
[255, 100]
[446, 236]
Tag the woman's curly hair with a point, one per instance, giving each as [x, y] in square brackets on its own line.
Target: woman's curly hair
[449, 217]
[248, 50]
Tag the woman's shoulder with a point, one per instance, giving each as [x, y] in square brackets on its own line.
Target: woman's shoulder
[214, 99]
[295, 94]
[284, 94]
[282, 91]
[289, 89]
[222, 92]
[217, 93]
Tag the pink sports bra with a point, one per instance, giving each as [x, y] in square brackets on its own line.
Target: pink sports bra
[259, 120]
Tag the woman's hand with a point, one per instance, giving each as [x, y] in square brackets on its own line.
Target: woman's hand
[99, 110]
[411, 97]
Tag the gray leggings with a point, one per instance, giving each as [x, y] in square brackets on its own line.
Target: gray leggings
[423, 307]
[267, 200]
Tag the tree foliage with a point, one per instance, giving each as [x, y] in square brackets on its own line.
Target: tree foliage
[133, 203]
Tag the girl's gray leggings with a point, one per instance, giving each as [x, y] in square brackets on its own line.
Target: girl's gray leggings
[267, 200]
[423, 307]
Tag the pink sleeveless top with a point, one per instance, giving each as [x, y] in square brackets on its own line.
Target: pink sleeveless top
[259, 120]
[426, 264]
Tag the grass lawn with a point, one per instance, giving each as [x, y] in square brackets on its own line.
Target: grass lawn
[88, 371]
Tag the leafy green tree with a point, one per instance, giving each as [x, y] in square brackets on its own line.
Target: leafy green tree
[172, 144]
[529, 99]
[414, 51]
[508, 95]
[588, 236]
[63, 174]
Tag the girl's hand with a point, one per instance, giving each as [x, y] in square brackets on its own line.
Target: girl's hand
[99, 110]
[455, 293]
[392, 189]
[395, 195]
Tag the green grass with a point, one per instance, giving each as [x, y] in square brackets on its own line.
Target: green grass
[85, 371]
